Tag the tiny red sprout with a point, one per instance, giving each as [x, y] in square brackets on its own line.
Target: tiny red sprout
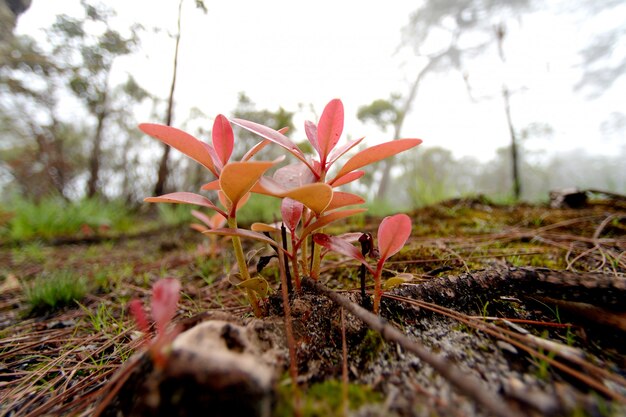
[165, 295]
[393, 233]
[136, 309]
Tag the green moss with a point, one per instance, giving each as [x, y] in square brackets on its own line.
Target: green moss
[324, 399]
[370, 346]
[53, 291]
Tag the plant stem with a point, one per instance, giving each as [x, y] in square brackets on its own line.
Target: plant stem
[291, 343]
[317, 260]
[378, 292]
[283, 237]
[305, 255]
[243, 267]
[294, 262]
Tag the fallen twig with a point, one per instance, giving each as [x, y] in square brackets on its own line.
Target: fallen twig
[465, 383]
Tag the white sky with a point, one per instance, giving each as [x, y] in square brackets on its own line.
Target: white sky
[282, 53]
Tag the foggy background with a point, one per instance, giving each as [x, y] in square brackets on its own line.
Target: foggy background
[483, 83]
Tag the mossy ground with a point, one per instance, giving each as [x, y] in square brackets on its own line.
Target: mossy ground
[57, 360]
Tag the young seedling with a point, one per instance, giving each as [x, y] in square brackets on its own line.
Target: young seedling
[393, 233]
[165, 296]
[310, 201]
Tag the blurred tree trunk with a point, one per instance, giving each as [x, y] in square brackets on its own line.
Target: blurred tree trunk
[163, 172]
[506, 96]
[96, 151]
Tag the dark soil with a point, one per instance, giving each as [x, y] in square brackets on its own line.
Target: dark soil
[527, 300]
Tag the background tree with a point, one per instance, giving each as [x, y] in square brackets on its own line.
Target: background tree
[163, 172]
[88, 46]
[39, 151]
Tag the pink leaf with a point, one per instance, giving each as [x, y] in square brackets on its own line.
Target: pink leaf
[183, 197]
[293, 175]
[165, 295]
[327, 219]
[273, 135]
[375, 154]
[329, 128]
[182, 141]
[345, 179]
[217, 220]
[393, 233]
[291, 212]
[198, 227]
[201, 216]
[311, 133]
[136, 309]
[340, 151]
[223, 138]
[339, 245]
[256, 148]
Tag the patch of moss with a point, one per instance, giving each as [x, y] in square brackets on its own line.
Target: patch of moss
[324, 399]
[370, 346]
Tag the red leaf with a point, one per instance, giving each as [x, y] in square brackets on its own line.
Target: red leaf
[375, 154]
[393, 233]
[182, 141]
[291, 212]
[327, 219]
[183, 197]
[329, 128]
[341, 199]
[341, 246]
[165, 295]
[223, 138]
[345, 179]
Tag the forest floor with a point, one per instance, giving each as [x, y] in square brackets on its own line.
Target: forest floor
[527, 300]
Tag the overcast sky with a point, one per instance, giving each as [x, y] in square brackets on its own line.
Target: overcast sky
[282, 53]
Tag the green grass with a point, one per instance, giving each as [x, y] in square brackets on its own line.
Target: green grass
[55, 217]
[53, 291]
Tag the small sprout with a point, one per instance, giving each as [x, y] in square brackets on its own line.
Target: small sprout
[393, 233]
[164, 302]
